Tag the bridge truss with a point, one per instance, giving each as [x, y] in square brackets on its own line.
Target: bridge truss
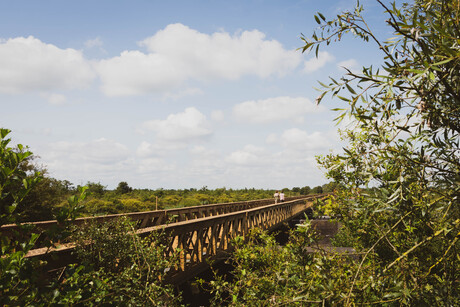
[198, 234]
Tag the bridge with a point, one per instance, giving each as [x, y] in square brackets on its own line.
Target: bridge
[199, 233]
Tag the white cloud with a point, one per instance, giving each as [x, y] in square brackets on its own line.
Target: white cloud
[275, 109]
[190, 124]
[316, 63]
[106, 160]
[198, 150]
[217, 115]
[348, 123]
[177, 54]
[160, 148]
[351, 64]
[273, 167]
[249, 156]
[205, 160]
[179, 93]
[53, 98]
[145, 149]
[100, 151]
[243, 158]
[134, 72]
[154, 165]
[27, 65]
[87, 161]
[96, 42]
[299, 140]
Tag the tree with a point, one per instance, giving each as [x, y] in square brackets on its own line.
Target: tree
[96, 189]
[317, 190]
[47, 195]
[405, 142]
[119, 268]
[123, 188]
[42, 202]
[398, 179]
[20, 277]
[15, 184]
[329, 187]
[15, 178]
[305, 190]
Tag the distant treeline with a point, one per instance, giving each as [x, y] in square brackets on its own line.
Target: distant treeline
[51, 194]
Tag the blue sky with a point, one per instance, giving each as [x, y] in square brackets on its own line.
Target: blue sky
[174, 94]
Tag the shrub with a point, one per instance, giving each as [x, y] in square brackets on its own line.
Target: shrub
[117, 268]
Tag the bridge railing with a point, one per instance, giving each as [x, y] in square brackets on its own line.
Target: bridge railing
[197, 240]
[200, 239]
[142, 219]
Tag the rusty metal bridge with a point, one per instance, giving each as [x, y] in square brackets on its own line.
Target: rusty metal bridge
[197, 233]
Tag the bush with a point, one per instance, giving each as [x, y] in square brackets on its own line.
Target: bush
[117, 267]
[400, 170]
[135, 205]
[189, 202]
[99, 206]
[266, 274]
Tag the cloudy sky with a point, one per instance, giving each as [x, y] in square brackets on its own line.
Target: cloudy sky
[174, 94]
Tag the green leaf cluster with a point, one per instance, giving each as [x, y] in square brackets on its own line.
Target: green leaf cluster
[117, 267]
[267, 274]
[401, 168]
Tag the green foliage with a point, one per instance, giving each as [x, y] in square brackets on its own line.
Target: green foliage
[117, 268]
[15, 183]
[345, 237]
[170, 200]
[97, 206]
[20, 277]
[266, 274]
[400, 172]
[317, 190]
[188, 202]
[123, 188]
[101, 201]
[96, 189]
[133, 204]
[330, 187]
[47, 195]
[305, 190]
[14, 186]
[44, 200]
